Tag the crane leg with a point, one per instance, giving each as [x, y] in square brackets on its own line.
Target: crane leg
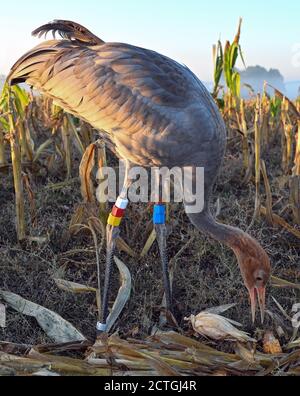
[159, 220]
[112, 234]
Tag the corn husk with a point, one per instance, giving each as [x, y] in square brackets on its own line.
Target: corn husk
[217, 327]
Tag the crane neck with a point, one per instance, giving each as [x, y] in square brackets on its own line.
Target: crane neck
[251, 257]
[230, 236]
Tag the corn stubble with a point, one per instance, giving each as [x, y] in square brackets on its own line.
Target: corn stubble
[255, 127]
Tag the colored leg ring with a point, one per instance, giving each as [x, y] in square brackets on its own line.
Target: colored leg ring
[114, 221]
[117, 212]
[159, 214]
[122, 203]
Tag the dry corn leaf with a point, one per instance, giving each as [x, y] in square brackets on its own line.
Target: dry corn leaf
[280, 221]
[43, 147]
[162, 368]
[45, 373]
[7, 371]
[282, 283]
[73, 287]
[57, 328]
[149, 244]
[78, 141]
[39, 240]
[123, 294]
[217, 327]
[60, 186]
[180, 341]
[281, 309]
[271, 344]
[85, 170]
[294, 344]
[122, 245]
[220, 309]
[2, 316]
[282, 97]
[269, 203]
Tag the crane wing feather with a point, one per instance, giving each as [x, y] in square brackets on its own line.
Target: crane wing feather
[133, 94]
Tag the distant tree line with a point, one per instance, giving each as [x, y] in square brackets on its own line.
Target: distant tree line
[257, 75]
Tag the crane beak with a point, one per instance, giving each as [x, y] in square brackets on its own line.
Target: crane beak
[260, 292]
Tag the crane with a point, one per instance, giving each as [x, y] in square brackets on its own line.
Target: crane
[152, 112]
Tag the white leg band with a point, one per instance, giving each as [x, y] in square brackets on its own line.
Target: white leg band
[122, 203]
[101, 327]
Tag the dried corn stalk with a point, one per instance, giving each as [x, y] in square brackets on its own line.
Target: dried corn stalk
[244, 129]
[257, 125]
[269, 205]
[17, 172]
[295, 181]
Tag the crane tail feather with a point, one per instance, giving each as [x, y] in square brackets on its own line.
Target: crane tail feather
[70, 31]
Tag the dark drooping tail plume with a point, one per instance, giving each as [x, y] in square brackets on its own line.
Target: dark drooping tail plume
[70, 31]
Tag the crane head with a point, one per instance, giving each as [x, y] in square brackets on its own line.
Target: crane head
[256, 270]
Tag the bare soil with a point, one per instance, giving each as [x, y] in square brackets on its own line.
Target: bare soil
[206, 275]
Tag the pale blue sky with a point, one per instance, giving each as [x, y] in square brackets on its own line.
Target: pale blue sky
[184, 29]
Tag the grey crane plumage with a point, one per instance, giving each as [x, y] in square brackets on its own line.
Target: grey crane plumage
[154, 111]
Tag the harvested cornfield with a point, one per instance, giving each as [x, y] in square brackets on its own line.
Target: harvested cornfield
[53, 250]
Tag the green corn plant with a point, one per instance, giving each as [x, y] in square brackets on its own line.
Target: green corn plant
[225, 64]
[2, 144]
[21, 100]
[231, 54]
[218, 67]
[275, 107]
[4, 125]
[13, 102]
